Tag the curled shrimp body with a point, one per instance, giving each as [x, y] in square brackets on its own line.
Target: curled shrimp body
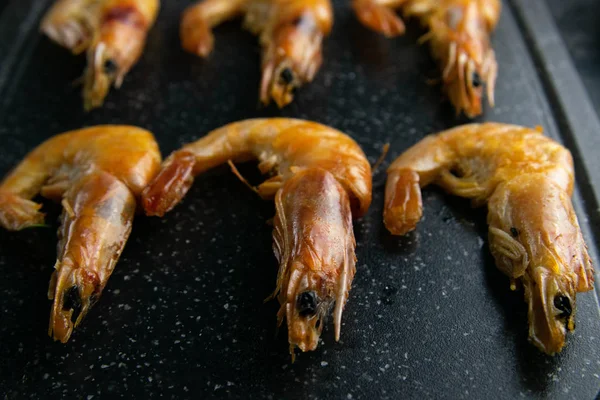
[320, 180]
[526, 179]
[112, 31]
[291, 33]
[97, 173]
[459, 37]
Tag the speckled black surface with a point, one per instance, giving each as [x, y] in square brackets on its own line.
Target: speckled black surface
[183, 315]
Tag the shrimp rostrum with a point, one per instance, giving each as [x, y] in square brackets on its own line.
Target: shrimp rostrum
[112, 31]
[459, 38]
[526, 179]
[97, 174]
[320, 180]
[290, 32]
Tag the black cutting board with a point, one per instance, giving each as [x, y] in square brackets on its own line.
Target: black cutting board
[183, 315]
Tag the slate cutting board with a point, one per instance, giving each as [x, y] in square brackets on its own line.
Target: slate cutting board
[183, 315]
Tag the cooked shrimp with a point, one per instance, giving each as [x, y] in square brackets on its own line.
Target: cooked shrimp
[97, 173]
[113, 32]
[459, 38]
[291, 33]
[526, 180]
[321, 179]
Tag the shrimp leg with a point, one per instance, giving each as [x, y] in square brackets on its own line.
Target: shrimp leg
[380, 15]
[198, 20]
[95, 224]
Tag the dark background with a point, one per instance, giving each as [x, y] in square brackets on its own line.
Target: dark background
[429, 315]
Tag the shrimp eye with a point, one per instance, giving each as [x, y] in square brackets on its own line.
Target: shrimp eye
[307, 304]
[287, 76]
[110, 67]
[72, 301]
[563, 304]
[476, 80]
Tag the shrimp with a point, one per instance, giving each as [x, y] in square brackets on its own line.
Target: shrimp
[112, 31]
[290, 32]
[98, 174]
[320, 180]
[526, 179]
[459, 38]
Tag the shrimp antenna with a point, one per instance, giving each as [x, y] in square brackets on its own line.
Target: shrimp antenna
[384, 152]
[240, 177]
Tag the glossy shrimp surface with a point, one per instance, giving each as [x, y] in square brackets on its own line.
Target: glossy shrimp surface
[526, 179]
[320, 180]
[112, 31]
[459, 37]
[291, 33]
[97, 174]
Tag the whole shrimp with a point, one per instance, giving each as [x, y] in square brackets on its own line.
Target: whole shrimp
[527, 180]
[321, 179]
[97, 173]
[112, 31]
[459, 38]
[291, 33]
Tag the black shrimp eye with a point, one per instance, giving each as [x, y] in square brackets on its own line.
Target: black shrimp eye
[476, 80]
[110, 66]
[287, 76]
[563, 304]
[307, 304]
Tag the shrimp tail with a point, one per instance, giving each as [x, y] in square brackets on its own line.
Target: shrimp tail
[170, 185]
[17, 213]
[403, 203]
[71, 24]
[198, 20]
[196, 35]
[378, 17]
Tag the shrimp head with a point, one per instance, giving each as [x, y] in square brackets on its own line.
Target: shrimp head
[314, 243]
[460, 41]
[292, 54]
[122, 35]
[534, 235]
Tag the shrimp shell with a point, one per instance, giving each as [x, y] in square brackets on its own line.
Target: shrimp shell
[97, 174]
[112, 31]
[526, 179]
[320, 180]
[290, 32]
[459, 38]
